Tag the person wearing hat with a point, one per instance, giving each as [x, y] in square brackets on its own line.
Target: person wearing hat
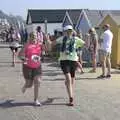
[105, 51]
[68, 58]
[93, 47]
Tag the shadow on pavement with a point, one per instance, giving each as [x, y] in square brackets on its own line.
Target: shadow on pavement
[78, 78]
[5, 65]
[51, 70]
[52, 74]
[115, 72]
[50, 101]
[11, 103]
[54, 64]
[86, 78]
[56, 79]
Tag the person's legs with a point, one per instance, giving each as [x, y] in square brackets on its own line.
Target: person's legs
[108, 65]
[94, 62]
[13, 55]
[37, 78]
[65, 66]
[80, 67]
[73, 66]
[36, 89]
[80, 61]
[27, 73]
[68, 83]
[73, 84]
[103, 63]
[28, 84]
[14, 52]
[80, 57]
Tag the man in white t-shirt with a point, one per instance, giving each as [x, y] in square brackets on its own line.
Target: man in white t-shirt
[105, 51]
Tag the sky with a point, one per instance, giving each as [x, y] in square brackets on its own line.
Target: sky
[20, 7]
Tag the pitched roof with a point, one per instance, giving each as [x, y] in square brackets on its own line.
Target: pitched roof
[74, 15]
[52, 16]
[67, 20]
[115, 14]
[94, 16]
[116, 19]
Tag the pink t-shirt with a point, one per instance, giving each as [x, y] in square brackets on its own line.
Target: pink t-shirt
[32, 55]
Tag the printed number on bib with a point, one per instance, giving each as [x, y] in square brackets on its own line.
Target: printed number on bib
[35, 58]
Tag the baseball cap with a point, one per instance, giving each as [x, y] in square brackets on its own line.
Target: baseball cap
[107, 25]
[67, 27]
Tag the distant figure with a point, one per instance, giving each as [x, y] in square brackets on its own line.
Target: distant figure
[79, 51]
[24, 36]
[93, 47]
[105, 51]
[6, 35]
[14, 40]
[41, 39]
[87, 41]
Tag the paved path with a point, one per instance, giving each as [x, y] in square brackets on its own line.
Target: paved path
[94, 99]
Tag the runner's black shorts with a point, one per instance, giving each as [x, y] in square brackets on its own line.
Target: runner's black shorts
[14, 48]
[68, 66]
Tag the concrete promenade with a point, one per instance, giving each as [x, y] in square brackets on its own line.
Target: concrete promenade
[95, 99]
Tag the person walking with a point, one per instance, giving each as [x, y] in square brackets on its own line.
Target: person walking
[93, 47]
[68, 58]
[105, 51]
[30, 54]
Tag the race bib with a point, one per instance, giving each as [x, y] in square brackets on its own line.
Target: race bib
[35, 58]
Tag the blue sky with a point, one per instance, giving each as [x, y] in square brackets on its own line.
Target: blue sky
[20, 7]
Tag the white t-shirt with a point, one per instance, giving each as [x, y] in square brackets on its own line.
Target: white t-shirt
[107, 37]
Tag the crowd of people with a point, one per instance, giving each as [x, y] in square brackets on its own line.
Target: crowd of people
[69, 45]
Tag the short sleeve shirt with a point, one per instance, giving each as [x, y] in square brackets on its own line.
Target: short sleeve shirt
[73, 55]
